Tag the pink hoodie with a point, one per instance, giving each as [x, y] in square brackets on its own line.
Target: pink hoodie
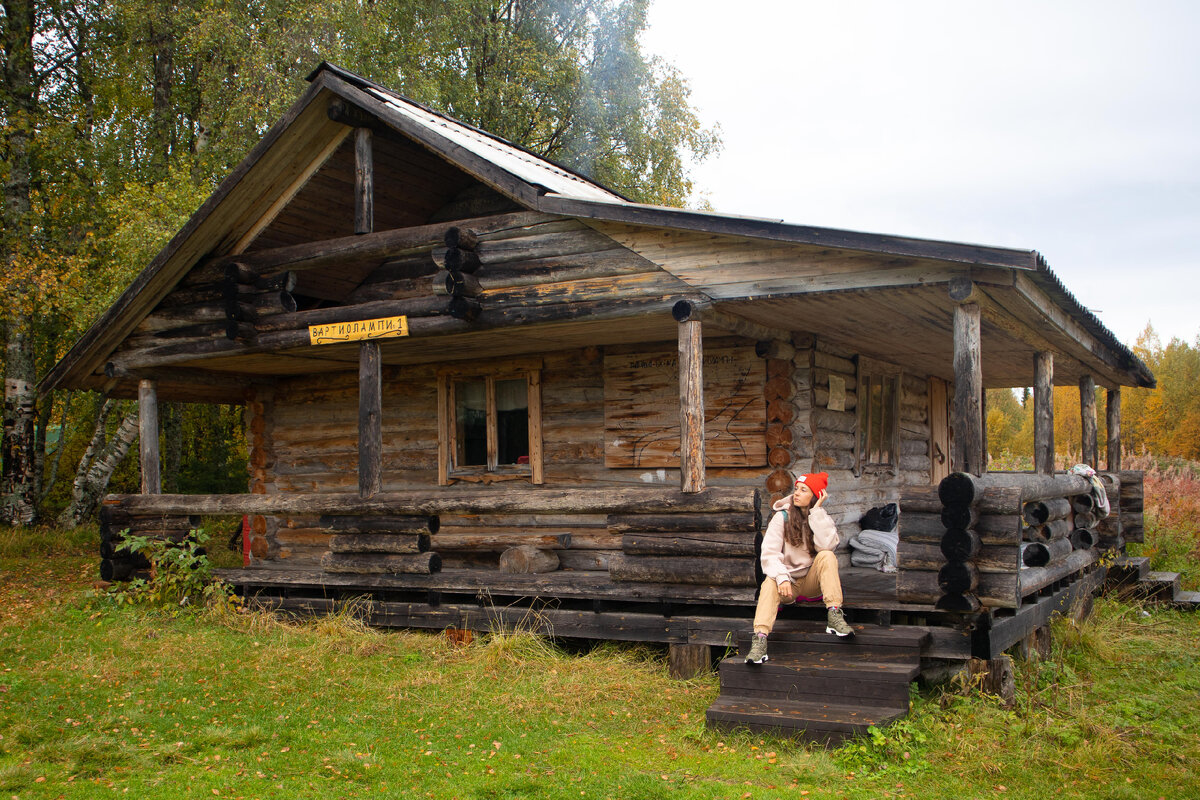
[781, 561]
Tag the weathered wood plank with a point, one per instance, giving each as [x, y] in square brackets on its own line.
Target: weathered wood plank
[615, 500]
[148, 437]
[968, 451]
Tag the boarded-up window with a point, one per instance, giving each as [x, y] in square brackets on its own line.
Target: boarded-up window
[641, 409]
[878, 415]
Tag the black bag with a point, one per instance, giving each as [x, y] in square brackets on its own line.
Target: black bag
[881, 518]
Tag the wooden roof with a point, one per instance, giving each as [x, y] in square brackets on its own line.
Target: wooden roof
[883, 296]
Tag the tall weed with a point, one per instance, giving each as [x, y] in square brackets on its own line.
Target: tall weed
[1172, 516]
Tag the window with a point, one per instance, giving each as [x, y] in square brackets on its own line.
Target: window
[878, 416]
[489, 423]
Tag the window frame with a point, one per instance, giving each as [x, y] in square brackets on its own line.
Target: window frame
[877, 373]
[530, 370]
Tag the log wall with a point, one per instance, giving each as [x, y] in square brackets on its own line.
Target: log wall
[834, 439]
[310, 445]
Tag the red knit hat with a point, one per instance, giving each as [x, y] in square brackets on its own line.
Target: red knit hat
[815, 481]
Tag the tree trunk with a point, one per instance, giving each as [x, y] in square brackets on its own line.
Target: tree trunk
[20, 395]
[98, 464]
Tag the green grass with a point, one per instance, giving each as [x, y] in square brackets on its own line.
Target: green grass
[96, 700]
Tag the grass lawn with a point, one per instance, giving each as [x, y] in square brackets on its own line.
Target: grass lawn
[98, 700]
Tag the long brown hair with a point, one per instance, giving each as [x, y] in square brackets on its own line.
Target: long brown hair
[796, 531]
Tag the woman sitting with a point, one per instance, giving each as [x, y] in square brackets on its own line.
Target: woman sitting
[799, 562]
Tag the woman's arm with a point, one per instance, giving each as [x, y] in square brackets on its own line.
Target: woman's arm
[772, 549]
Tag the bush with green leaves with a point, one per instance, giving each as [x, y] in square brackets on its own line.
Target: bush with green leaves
[180, 574]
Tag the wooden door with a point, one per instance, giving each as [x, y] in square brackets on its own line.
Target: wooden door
[939, 430]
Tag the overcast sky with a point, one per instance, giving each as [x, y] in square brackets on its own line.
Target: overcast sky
[1071, 128]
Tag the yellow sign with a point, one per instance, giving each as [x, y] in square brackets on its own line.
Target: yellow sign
[359, 330]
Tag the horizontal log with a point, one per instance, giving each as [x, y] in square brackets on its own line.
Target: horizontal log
[995, 589]
[1039, 512]
[496, 541]
[527, 559]
[300, 320]
[1039, 554]
[835, 459]
[1035, 579]
[455, 284]
[379, 543]
[774, 349]
[821, 399]
[1083, 539]
[960, 488]
[840, 421]
[989, 558]
[1085, 519]
[729, 522]
[958, 577]
[1083, 503]
[381, 244]
[959, 603]
[452, 500]
[708, 571]
[392, 524]
[458, 236]
[1051, 531]
[820, 378]
[959, 544]
[832, 363]
[929, 528]
[688, 544]
[456, 259]
[117, 569]
[921, 499]
[387, 564]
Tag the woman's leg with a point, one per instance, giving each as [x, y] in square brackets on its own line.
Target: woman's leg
[823, 579]
[768, 607]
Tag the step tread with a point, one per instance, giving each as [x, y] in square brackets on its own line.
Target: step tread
[831, 666]
[808, 630]
[816, 715]
[1161, 577]
[1184, 597]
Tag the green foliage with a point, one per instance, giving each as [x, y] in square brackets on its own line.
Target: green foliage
[180, 575]
[139, 109]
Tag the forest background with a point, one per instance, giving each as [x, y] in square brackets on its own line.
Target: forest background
[119, 117]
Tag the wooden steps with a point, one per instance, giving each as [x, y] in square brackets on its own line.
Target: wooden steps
[817, 686]
[1133, 576]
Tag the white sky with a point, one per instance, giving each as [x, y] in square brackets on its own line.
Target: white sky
[1071, 128]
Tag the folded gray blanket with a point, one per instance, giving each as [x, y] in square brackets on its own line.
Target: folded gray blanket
[875, 549]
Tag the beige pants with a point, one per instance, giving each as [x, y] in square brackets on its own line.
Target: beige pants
[822, 579]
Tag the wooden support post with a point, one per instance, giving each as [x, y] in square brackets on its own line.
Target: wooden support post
[364, 182]
[370, 422]
[967, 452]
[1043, 413]
[148, 437]
[1114, 430]
[686, 661]
[1088, 424]
[691, 407]
[534, 387]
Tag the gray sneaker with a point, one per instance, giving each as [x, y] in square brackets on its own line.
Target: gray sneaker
[836, 623]
[758, 650]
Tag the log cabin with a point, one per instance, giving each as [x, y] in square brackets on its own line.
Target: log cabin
[482, 389]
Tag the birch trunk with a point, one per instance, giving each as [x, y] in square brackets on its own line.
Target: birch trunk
[98, 464]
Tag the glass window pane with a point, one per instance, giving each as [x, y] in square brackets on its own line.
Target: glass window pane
[470, 418]
[512, 421]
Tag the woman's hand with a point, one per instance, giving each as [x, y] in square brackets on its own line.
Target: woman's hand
[821, 498]
[786, 591]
